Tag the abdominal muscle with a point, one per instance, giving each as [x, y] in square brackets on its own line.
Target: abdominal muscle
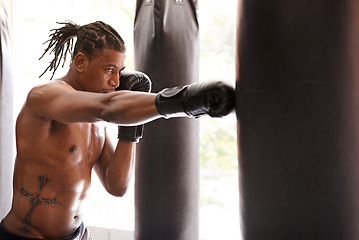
[51, 182]
[48, 207]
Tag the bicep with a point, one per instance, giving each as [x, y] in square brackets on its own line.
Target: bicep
[60, 102]
[65, 105]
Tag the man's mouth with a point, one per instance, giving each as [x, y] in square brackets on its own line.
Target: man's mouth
[107, 90]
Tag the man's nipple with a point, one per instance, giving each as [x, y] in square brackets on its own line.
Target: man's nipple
[73, 149]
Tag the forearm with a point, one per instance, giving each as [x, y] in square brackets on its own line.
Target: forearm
[120, 168]
[130, 108]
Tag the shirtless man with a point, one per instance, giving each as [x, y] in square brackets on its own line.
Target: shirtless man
[60, 138]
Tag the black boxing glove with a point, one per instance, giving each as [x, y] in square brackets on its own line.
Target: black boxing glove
[213, 98]
[133, 81]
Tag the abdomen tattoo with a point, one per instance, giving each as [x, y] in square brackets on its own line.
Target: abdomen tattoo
[36, 199]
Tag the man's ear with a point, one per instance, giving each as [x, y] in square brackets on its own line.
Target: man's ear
[80, 61]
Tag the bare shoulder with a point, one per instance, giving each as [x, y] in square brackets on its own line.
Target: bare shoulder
[37, 99]
[48, 89]
[59, 101]
[43, 94]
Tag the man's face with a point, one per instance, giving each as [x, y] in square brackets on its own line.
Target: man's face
[102, 73]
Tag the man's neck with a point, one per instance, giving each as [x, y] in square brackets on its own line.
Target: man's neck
[72, 79]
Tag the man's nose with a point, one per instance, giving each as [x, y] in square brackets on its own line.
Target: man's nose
[115, 80]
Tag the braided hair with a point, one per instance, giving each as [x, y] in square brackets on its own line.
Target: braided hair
[90, 38]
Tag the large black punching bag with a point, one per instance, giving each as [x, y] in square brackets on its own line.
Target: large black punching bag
[298, 111]
[167, 168]
[6, 118]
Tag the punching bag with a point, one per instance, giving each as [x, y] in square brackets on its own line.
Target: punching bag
[166, 46]
[6, 118]
[298, 111]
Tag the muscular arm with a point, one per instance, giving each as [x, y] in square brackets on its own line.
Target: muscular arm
[115, 168]
[60, 102]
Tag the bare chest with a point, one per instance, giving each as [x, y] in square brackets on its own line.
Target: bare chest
[79, 142]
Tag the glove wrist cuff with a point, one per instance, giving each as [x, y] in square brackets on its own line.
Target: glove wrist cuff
[130, 133]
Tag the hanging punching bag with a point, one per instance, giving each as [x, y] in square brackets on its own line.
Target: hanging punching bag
[298, 111]
[167, 168]
[6, 119]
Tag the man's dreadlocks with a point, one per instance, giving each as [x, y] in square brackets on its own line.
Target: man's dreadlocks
[90, 37]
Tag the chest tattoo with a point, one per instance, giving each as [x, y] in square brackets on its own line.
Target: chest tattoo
[36, 199]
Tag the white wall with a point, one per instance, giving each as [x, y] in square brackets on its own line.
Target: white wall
[6, 107]
[110, 234]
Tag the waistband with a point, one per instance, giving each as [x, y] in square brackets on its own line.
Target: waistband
[5, 235]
